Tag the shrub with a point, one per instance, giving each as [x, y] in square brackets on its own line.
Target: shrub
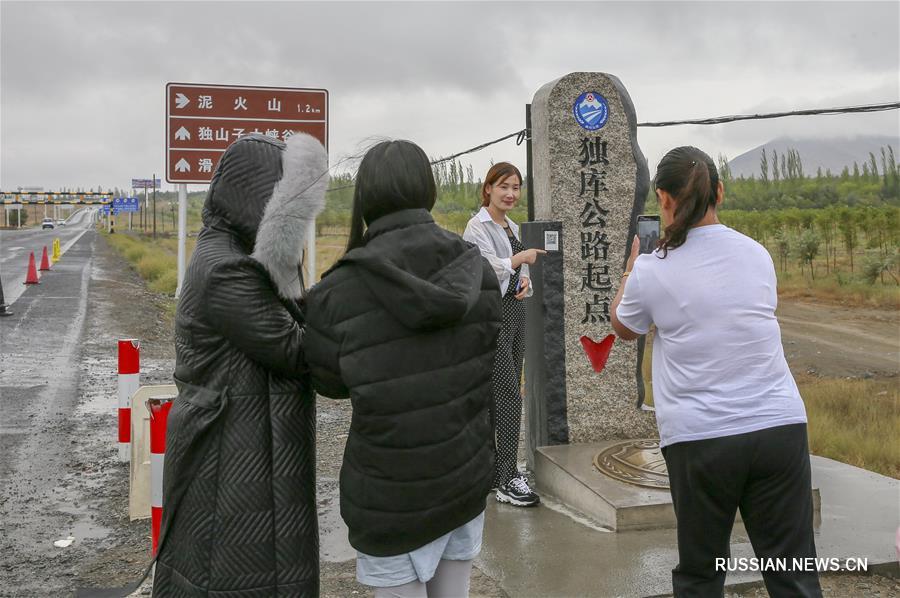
[134, 252]
[153, 266]
[166, 283]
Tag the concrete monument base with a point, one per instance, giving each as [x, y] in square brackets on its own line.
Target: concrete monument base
[570, 473]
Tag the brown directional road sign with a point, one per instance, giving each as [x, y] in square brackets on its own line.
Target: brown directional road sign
[203, 120]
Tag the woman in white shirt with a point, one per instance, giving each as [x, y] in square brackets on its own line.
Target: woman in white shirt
[732, 425]
[497, 236]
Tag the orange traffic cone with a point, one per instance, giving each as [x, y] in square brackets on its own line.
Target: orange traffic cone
[45, 260]
[32, 277]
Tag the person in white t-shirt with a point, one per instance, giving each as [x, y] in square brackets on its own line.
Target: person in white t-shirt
[732, 424]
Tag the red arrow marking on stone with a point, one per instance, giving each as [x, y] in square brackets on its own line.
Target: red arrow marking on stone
[596, 352]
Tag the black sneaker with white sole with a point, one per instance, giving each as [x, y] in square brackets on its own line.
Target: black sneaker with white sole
[516, 492]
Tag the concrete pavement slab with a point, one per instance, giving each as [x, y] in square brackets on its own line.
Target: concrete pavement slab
[551, 551]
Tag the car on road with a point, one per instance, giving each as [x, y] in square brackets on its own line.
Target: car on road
[47, 223]
[60, 222]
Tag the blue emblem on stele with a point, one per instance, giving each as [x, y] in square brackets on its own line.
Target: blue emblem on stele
[591, 110]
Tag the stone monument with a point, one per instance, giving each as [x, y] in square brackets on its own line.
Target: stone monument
[590, 181]
[590, 176]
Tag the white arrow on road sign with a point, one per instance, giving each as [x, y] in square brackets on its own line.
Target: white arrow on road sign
[182, 166]
[181, 100]
[182, 134]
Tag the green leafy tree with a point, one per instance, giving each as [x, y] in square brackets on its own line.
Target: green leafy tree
[891, 187]
[875, 267]
[873, 167]
[847, 228]
[764, 167]
[783, 246]
[807, 249]
[724, 169]
[825, 224]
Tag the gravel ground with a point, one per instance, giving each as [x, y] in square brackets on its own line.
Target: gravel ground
[90, 492]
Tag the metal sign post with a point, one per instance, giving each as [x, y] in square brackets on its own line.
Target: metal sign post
[154, 208]
[182, 235]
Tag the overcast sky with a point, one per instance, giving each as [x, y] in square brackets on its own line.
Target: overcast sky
[82, 85]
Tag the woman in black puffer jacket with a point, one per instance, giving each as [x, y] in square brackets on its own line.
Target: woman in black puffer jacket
[405, 324]
[239, 517]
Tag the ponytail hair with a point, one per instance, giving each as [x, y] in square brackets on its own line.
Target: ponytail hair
[690, 177]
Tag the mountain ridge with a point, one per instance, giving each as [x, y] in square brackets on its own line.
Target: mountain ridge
[829, 153]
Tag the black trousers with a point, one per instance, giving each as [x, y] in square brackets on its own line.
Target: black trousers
[507, 382]
[765, 474]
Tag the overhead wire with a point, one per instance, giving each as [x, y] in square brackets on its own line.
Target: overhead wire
[523, 134]
[814, 111]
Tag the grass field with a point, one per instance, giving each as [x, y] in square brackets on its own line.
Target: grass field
[854, 421]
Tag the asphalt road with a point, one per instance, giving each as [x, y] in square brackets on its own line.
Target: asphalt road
[39, 352]
[17, 244]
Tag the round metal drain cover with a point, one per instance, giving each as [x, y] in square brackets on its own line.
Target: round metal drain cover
[637, 462]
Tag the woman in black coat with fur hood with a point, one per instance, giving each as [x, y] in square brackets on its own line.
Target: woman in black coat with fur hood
[239, 516]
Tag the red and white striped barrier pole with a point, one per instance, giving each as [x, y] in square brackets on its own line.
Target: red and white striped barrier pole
[159, 416]
[129, 383]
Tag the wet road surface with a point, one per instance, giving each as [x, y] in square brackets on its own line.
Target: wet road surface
[38, 376]
[17, 244]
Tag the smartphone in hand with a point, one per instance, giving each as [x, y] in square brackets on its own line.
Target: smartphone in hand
[648, 231]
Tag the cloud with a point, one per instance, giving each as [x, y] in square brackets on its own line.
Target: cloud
[83, 103]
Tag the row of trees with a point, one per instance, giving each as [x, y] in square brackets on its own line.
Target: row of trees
[783, 183]
[804, 234]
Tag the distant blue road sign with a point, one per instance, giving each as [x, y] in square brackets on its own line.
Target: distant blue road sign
[125, 204]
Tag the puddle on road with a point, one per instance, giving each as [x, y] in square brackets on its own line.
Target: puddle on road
[99, 382]
[83, 528]
[63, 499]
[334, 547]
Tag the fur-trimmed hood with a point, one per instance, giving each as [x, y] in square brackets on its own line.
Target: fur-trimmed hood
[296, 201]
